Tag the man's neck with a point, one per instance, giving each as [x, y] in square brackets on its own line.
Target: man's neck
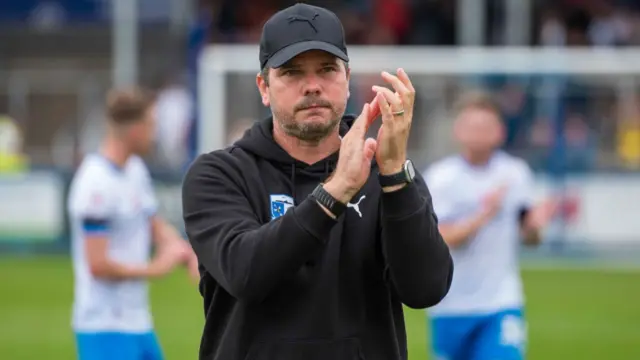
[477, 159]
[115, 151]
[307, 152]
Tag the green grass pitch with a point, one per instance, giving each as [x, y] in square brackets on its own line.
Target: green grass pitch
[572, 314]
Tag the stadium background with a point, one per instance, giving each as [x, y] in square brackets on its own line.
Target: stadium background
[581, 135]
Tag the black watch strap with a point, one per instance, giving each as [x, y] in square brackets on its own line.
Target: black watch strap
[405, 176]
[392, 180]
[325, 199]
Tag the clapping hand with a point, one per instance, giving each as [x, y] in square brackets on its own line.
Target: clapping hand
[356, 153]
[390, 147]
[397, 113]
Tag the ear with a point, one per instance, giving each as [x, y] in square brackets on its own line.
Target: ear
[263, 88]
[348, 73]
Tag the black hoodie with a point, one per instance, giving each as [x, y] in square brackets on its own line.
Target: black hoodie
[303, 285]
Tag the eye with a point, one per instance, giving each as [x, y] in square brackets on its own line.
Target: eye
[327, 69]
[290, 72]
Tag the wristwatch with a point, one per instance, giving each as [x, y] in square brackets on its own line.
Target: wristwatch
[327, 200]
[405, 176]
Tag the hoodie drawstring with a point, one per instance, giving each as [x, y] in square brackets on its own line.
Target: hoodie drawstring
[327, 171]
[293, 182]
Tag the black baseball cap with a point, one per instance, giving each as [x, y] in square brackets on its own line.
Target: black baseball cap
[301, 28]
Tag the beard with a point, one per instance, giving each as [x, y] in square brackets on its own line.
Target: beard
[309, 131]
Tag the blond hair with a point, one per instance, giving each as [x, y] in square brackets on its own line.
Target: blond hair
[476, 99]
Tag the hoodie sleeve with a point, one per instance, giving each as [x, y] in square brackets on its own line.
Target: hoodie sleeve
[245, 257]
[418, 262]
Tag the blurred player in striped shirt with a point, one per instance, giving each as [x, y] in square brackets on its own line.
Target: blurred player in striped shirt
[112, 209]
[483, 198]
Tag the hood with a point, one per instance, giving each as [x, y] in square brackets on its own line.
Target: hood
[259, 141]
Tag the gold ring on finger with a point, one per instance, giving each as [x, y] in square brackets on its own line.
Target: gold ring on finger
[398, 113]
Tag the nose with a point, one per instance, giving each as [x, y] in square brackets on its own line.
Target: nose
[312, 85]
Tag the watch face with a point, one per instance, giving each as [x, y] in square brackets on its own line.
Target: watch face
[411, 172]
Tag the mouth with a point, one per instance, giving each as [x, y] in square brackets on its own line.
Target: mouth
[314, 107]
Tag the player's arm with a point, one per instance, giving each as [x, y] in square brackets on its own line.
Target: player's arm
[167, 239]
[455, 227]
[533, 217]
[458, 233]
[96, 244]
[247, 258]
[419, 265]
[171, 248]
[94, 205]
[530, 233]
[165, 235]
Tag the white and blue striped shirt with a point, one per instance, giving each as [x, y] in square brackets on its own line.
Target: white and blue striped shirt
[486, 277]
[117, 203]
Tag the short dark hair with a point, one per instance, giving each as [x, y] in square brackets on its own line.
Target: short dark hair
[127, 106]
[477, 99]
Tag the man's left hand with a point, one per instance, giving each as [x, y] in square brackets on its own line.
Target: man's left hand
[397, 113]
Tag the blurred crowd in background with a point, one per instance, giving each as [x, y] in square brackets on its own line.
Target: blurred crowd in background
[56, 61]
[433, 22]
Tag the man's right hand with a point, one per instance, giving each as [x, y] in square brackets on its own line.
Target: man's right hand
[461, 232]
[492, 202]
[356, 154]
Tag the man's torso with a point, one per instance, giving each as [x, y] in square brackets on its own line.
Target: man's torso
[339, 299]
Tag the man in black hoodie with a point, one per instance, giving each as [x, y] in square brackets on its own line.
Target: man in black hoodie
[309, 236]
